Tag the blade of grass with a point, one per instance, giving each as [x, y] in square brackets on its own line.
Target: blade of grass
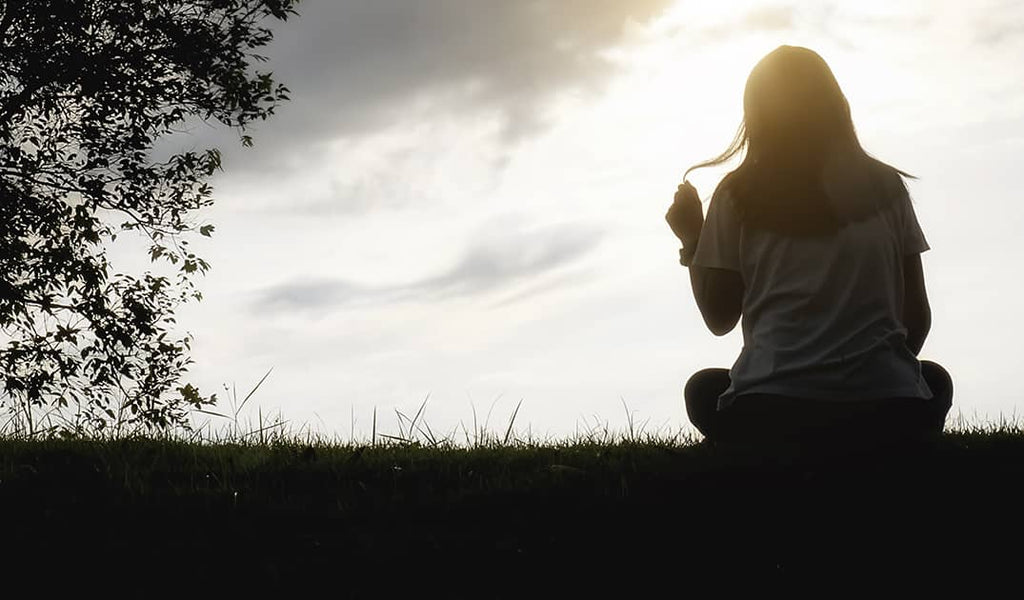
[419, 413]
[253, 390]
[401, 418]
[511, 421]
[487, 420]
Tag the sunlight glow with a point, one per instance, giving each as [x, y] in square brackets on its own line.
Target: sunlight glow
[686, 70]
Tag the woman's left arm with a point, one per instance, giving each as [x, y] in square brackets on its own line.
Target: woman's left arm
[718, 292]
[719, 296]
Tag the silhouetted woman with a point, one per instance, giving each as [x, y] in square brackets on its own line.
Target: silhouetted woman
[816, 245]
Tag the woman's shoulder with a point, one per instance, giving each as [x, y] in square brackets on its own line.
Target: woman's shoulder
[724, 194]
[891, 181]
[859, 185]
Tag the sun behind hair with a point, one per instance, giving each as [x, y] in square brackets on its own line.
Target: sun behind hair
[804, 171]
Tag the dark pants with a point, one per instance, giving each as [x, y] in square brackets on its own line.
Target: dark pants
[769, 418]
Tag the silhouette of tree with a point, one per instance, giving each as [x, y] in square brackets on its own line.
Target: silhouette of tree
[86, 88]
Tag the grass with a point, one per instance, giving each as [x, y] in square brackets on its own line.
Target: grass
[295, 471]
[279, 506]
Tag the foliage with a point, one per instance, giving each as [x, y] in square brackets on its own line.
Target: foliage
[87, 87]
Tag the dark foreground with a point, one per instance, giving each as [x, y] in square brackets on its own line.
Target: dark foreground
[509, 522]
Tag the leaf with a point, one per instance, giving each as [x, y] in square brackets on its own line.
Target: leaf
[88, 91]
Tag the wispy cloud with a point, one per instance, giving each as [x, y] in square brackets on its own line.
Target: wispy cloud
[498, 263]
[831, 18]
[763, 18]
[1002, 22]
[768, 18]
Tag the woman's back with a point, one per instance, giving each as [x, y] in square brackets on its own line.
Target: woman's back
[821, 314]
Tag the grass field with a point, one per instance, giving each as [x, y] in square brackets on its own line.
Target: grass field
[585, 513]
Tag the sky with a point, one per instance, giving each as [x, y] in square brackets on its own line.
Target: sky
[464, 203]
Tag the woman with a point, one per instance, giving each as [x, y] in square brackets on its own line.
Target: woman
[816, 244]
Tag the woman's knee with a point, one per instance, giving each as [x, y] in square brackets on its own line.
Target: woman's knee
[701, 398]
[706, 382]
[938, 379]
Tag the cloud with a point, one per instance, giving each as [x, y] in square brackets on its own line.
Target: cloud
[307, 294]
[770, 18]
[765, 18]
[999, 23]
[356, 66]
[489, 265]
[833, 19]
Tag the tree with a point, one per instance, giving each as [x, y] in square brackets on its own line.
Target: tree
[86, 89]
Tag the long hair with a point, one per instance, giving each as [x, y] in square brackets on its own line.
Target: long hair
[796, 126]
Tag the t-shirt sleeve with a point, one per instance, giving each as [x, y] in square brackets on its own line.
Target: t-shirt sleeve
[719, 245]
[914, 241]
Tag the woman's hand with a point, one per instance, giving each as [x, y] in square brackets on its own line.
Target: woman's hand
[685, 216]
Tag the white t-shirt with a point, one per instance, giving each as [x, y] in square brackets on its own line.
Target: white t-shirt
[821, 316]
